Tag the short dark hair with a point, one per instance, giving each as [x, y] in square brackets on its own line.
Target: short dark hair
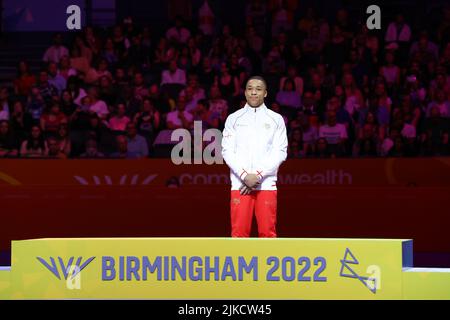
[257, 78]
[294, 87]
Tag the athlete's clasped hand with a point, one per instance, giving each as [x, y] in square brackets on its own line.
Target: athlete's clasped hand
[251, 182]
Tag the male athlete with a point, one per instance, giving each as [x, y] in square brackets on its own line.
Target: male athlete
[254, 145]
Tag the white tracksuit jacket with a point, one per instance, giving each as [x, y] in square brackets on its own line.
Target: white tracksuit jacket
[254, 141]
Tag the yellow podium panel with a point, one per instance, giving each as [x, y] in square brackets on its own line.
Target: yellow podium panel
[426, 283]
[5, 283]
[208, 268]
[212, 268]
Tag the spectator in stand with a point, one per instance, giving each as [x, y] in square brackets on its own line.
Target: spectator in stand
[294, 150]
[51, 120]
[207, 74]
[4, 103]
[289, 98]
[76, 91]
[321, 149]
[9, 145]
[98, 130]
[365, 148]
[110, 53]
[380, 112]
[309, 135]
[310, 110]
[20, 121]
[122, 148]
[191, 103]
[54, 149]
[370, 124]
[55, 79]
[441, 103]
[199, 90]
[409, 134]
[296, 147]
[46, 89]
[390, 71]
[399, 34]
[55, 52]
[256, 11]
[282, 18]
[203, 114]
[82, 47]
[184, 60]
[103, 69]
[254, 40]
[178, 33]
[106, 91]
[433, 129]
[275, 106]
[342, 115]
[388, 143]
[292, 75]
[140, 89]
[92, 150]
[336, 51]
[25, 79]
[398, 30]
[65, 68]
[161, 52]
[138, 55]
[120, 41]
[440, 82]
[335, 134]
[426, 49]
[194, 53]
[67, 105]
[227, 83]
[236, 69]
[97, 106]
[35, 146]
[65, 145]
[316, 86]
[180, 118]
[173, 75]
[148, 121]
[407, 107]
[353, 96]
[313, 45]
[136, 144]
[35, 105]
[243, 60]
[217, 105]
[118, 123]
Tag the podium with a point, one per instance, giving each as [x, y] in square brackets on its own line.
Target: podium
[219, 268]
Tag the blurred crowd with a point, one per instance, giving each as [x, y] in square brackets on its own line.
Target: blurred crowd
[343, 90]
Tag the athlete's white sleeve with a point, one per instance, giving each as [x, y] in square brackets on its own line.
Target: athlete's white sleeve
[228, 146]
[278, 152]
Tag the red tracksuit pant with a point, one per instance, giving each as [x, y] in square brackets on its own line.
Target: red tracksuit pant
[264, 203]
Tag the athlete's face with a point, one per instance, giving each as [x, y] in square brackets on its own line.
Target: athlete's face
[255, 92]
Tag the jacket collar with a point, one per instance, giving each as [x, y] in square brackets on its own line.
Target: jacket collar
[261, 108]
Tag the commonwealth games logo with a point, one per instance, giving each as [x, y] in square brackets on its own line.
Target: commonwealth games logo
[372, 283]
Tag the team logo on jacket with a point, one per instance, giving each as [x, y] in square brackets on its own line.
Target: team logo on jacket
[267, 126]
